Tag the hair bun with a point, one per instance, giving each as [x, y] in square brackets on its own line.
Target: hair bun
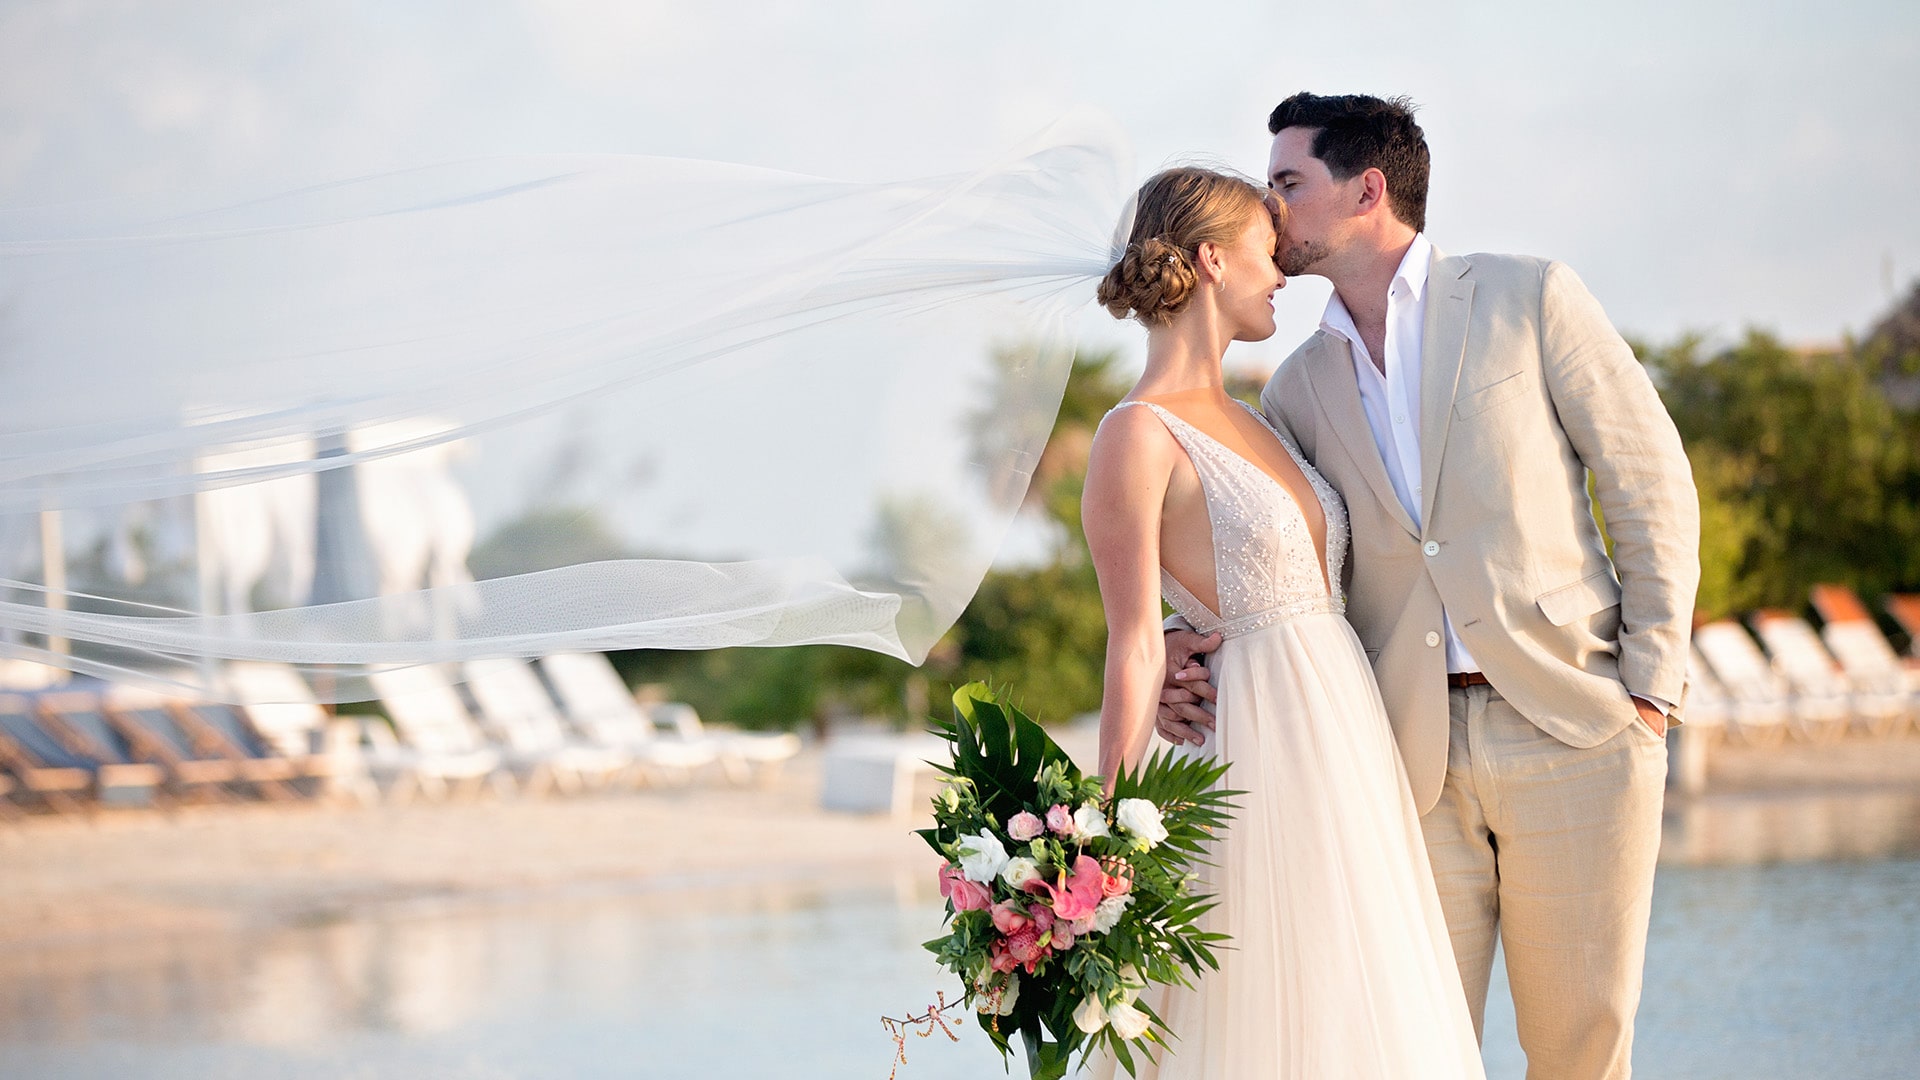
[1152, 282]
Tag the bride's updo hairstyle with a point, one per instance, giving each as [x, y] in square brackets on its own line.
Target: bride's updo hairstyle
[1180, 209]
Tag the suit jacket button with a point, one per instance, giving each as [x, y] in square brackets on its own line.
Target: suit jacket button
[1432, 548]
[1433, 639]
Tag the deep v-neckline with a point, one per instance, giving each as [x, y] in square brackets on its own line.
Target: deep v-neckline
[1322, 548]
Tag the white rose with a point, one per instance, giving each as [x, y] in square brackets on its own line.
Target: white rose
[1107, 915]
[1090, 1017]
[1142, 819]
[1128, 1022]
[981, 856]
[1020, 870]
[1089, 822]
[1009, 996]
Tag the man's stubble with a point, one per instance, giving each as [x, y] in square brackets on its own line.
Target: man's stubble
[1300, 258]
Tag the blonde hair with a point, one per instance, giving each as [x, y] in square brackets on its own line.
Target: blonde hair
[1179, 210]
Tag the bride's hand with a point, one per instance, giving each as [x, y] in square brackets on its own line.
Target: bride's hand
[1182, 716]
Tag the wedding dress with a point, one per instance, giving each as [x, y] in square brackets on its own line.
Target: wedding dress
[1340, 966]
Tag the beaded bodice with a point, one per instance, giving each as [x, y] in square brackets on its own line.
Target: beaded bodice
[1266, 567]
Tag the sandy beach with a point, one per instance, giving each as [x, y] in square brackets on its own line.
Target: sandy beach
[139, 873]
[135, 874]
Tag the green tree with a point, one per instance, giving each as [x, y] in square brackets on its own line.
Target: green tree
[1807, 471]
[1042, 630]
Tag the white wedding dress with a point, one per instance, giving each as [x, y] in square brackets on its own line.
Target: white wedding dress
[1340, 966]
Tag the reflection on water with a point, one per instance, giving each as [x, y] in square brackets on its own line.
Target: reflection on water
[1786, 971]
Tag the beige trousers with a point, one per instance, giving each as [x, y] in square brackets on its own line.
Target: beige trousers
[1553, 849]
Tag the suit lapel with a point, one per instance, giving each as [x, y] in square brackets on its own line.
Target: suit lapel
[1442, 351]
[1330, 369]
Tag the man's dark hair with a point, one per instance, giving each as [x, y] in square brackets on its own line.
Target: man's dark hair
[1357, 132]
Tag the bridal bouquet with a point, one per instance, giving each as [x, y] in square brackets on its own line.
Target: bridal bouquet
[1064, 903]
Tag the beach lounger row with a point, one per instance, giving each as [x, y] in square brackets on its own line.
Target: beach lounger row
[73, 750]
[76, 749]
[587, 732]
[1784, 679]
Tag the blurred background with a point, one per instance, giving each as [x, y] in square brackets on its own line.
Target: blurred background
[660, 862]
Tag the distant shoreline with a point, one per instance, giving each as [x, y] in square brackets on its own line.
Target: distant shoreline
[129, 876]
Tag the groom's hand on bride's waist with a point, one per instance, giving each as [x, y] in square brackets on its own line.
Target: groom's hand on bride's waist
[1186, 694]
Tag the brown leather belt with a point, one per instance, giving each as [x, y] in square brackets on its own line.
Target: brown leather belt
[1460, 680]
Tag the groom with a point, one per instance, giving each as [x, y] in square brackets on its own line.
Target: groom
[1461, 404]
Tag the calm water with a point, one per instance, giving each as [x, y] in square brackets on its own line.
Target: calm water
[1789, 972]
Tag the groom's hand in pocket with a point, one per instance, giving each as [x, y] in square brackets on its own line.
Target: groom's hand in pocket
[1650, 715]
[1184, 697]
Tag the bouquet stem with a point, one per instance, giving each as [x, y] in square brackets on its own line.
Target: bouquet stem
[1045, 1060]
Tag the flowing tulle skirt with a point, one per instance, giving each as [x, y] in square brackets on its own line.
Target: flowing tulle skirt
[1340, 966]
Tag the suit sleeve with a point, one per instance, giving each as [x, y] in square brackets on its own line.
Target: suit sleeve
[1642, 481]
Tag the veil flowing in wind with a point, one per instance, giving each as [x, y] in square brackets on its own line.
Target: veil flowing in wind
[517, 406]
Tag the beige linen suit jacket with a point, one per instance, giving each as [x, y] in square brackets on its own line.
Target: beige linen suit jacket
[1526, 388]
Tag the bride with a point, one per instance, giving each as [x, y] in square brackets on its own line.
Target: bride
[1339, 964]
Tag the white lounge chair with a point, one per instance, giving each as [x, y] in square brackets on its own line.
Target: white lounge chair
[520, 713]
[742, 753]
[1708, 710]
[1762, 704]
[602, 708]
[1709, 706]
[285, 716]
[1824, 700]
[1887, 687]
[442, 746]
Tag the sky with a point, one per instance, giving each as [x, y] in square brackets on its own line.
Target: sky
[1704, 166]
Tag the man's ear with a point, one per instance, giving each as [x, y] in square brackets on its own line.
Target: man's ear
[1373, 192]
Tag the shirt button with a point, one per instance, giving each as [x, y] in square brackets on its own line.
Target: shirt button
[1399, 419]
[1433, 639]
[1432, 548]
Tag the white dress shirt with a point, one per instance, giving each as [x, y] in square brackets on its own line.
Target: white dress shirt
[1392, 399]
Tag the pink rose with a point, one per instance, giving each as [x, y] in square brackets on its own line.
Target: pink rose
[1115, 885]
[1008, 919]
[1079, 894]
[1062, 937]
[1060, 820]
[1024, 826]
[1079, 927]
[965, 895]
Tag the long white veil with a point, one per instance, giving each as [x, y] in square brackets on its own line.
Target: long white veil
[517, 406]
